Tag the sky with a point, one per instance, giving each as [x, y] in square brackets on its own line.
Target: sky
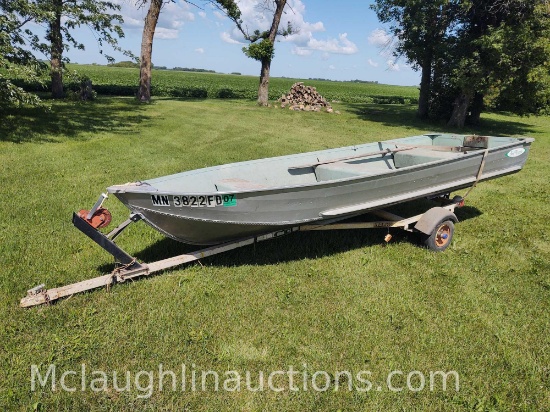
[334, 40]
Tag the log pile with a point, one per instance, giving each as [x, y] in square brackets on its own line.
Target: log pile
[302, 97]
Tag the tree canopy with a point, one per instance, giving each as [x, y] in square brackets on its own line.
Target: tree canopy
[16, 61]
[20, 45]
[422, 30]
[473, 54]
[61, 17]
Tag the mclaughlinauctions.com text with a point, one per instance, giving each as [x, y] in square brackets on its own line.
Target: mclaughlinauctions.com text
[192, 379]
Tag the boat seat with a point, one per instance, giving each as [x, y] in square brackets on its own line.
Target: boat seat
[353, 168]
[227, 185]
[416, 157]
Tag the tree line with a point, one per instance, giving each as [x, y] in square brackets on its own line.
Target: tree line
[472, 54]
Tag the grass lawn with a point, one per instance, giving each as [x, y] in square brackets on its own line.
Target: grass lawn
[329, 301]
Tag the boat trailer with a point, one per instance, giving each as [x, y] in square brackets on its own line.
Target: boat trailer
[436, 225]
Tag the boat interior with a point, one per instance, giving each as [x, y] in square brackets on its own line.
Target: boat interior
[327, 165]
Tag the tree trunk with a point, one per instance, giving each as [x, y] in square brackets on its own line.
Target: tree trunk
[477, 107]
[425, 88]
[460, 110]
[263, 89]
[144, 92]
[56, 51]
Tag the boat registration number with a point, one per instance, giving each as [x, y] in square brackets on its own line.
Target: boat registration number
[194, 201]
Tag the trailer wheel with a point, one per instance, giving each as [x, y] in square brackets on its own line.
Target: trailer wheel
[441, 237]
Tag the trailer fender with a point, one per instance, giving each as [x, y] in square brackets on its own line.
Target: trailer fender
[432, 218]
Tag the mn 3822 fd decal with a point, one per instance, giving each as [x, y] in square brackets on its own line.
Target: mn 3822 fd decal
[194, 201]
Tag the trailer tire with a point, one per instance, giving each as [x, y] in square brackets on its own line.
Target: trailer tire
[441, 236]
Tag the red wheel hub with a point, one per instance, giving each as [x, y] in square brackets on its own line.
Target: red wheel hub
[443, 235]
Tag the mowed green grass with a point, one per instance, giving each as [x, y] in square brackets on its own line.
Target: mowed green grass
[333, 301]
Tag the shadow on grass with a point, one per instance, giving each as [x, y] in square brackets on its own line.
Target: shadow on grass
[293, 247]
[405, 116]
[70, 120]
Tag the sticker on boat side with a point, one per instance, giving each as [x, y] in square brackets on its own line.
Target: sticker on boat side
[516, 152]
[229, 200]
[195, 201]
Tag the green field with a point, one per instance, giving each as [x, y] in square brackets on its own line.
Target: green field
[330, 301]
[121, 81]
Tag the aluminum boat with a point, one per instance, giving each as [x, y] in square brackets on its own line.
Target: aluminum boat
[231, 201]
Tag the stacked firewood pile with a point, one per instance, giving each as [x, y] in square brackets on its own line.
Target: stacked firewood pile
[302, 97]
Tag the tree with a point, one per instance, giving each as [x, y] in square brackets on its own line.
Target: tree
[474, 53]
[421, 28]
[262, 43]
[146, 65]
[144, 92]
[63, 16]
[525, 79]
[16, 61]
[492, 50]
